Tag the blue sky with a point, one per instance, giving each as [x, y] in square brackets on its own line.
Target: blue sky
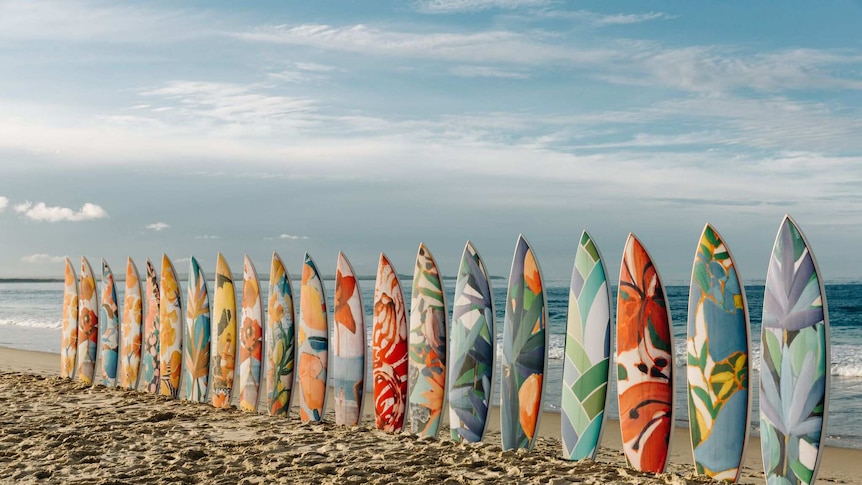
[147, 127]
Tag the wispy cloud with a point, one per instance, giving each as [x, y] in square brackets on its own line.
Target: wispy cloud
[41, 258]
[486, 71]
[42, 212]
[457, 6]
[4, 202]
[602, 19]
[207, 236]
[158, 226]
[291, 237]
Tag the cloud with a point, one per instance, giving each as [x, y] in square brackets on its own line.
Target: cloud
[486, 71]
[158, 226]
[457, 6]
[497, 46]
[41, 258]
[207, 236]
[302, 72]
[291, 237]
[601, 19]
[41, 212]
[4, 202]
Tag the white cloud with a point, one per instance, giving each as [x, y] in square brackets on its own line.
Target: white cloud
[41, 212]
[486, 71]
[158, 226]
[40, 258]
[455, 6]
[207, 236]
[291, 237]
[4, 202]
[94, 20]
[601, 19]
[499, 46]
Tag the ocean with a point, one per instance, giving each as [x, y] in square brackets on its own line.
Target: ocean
[30, 319]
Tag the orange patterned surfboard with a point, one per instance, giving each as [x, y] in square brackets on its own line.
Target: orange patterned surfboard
[389, 349]
[644, 361]
[69, 343]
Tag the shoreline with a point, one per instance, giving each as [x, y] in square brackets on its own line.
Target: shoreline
[24, 372]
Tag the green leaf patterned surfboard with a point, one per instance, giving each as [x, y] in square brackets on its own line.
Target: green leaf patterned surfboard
[586, 368]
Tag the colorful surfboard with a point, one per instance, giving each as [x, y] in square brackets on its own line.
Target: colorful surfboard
[280, 339]
[313, 344]
[196, 336]
[427, 347]
[88, 324]
[250, 338]
[348, 362]
[149, 374]
[717, 350]
[525, 347]
[223, 351]
[109, 340]
[130, 348]
[69, 341]
[795, 361]
[472, 349]
[644, 361]
[170, 331]
[389, 349]
[586, 368]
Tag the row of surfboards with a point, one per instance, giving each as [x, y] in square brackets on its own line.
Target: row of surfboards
[416, 366]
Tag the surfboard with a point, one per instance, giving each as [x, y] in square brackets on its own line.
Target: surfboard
[170, 331]
[88, 324]
[313, 344]
[250, 338]
[223, 350]
[525, 347]
[280, 339]
[645, 388]
[795, 362]
[109, 340]
[149, 374]
[389, 349]
[348, 362]
[472, 349]
[130, 349]
[587, 358]
[717, 349]
[427, 347]
[196, 336]
[69, 338]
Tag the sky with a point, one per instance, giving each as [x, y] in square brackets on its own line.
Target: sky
[137, 128]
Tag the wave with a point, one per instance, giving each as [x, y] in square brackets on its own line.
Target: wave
[31, 322]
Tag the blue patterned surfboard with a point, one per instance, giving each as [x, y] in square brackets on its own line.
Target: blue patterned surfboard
[795, 361]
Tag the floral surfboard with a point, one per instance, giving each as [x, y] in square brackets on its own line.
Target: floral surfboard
[149, 374]
[427, 347]
[348, 363]
[717, 351]
[389, 349]
[644, 361]
[170, 331]
[88, 324]
[69, 342]
[223, 336]
[795, 361]
[525, 347]
[280, 339]
[473, 349]
[130, 348]
[250, 338]
[313, 344]
[196, 336]
[109, 339]
[586, 368]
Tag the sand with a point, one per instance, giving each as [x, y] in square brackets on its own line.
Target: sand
[56, 430]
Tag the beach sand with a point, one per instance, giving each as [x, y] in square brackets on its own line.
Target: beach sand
[56, 430]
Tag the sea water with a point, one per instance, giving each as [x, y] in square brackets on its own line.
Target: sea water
[30, 319]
